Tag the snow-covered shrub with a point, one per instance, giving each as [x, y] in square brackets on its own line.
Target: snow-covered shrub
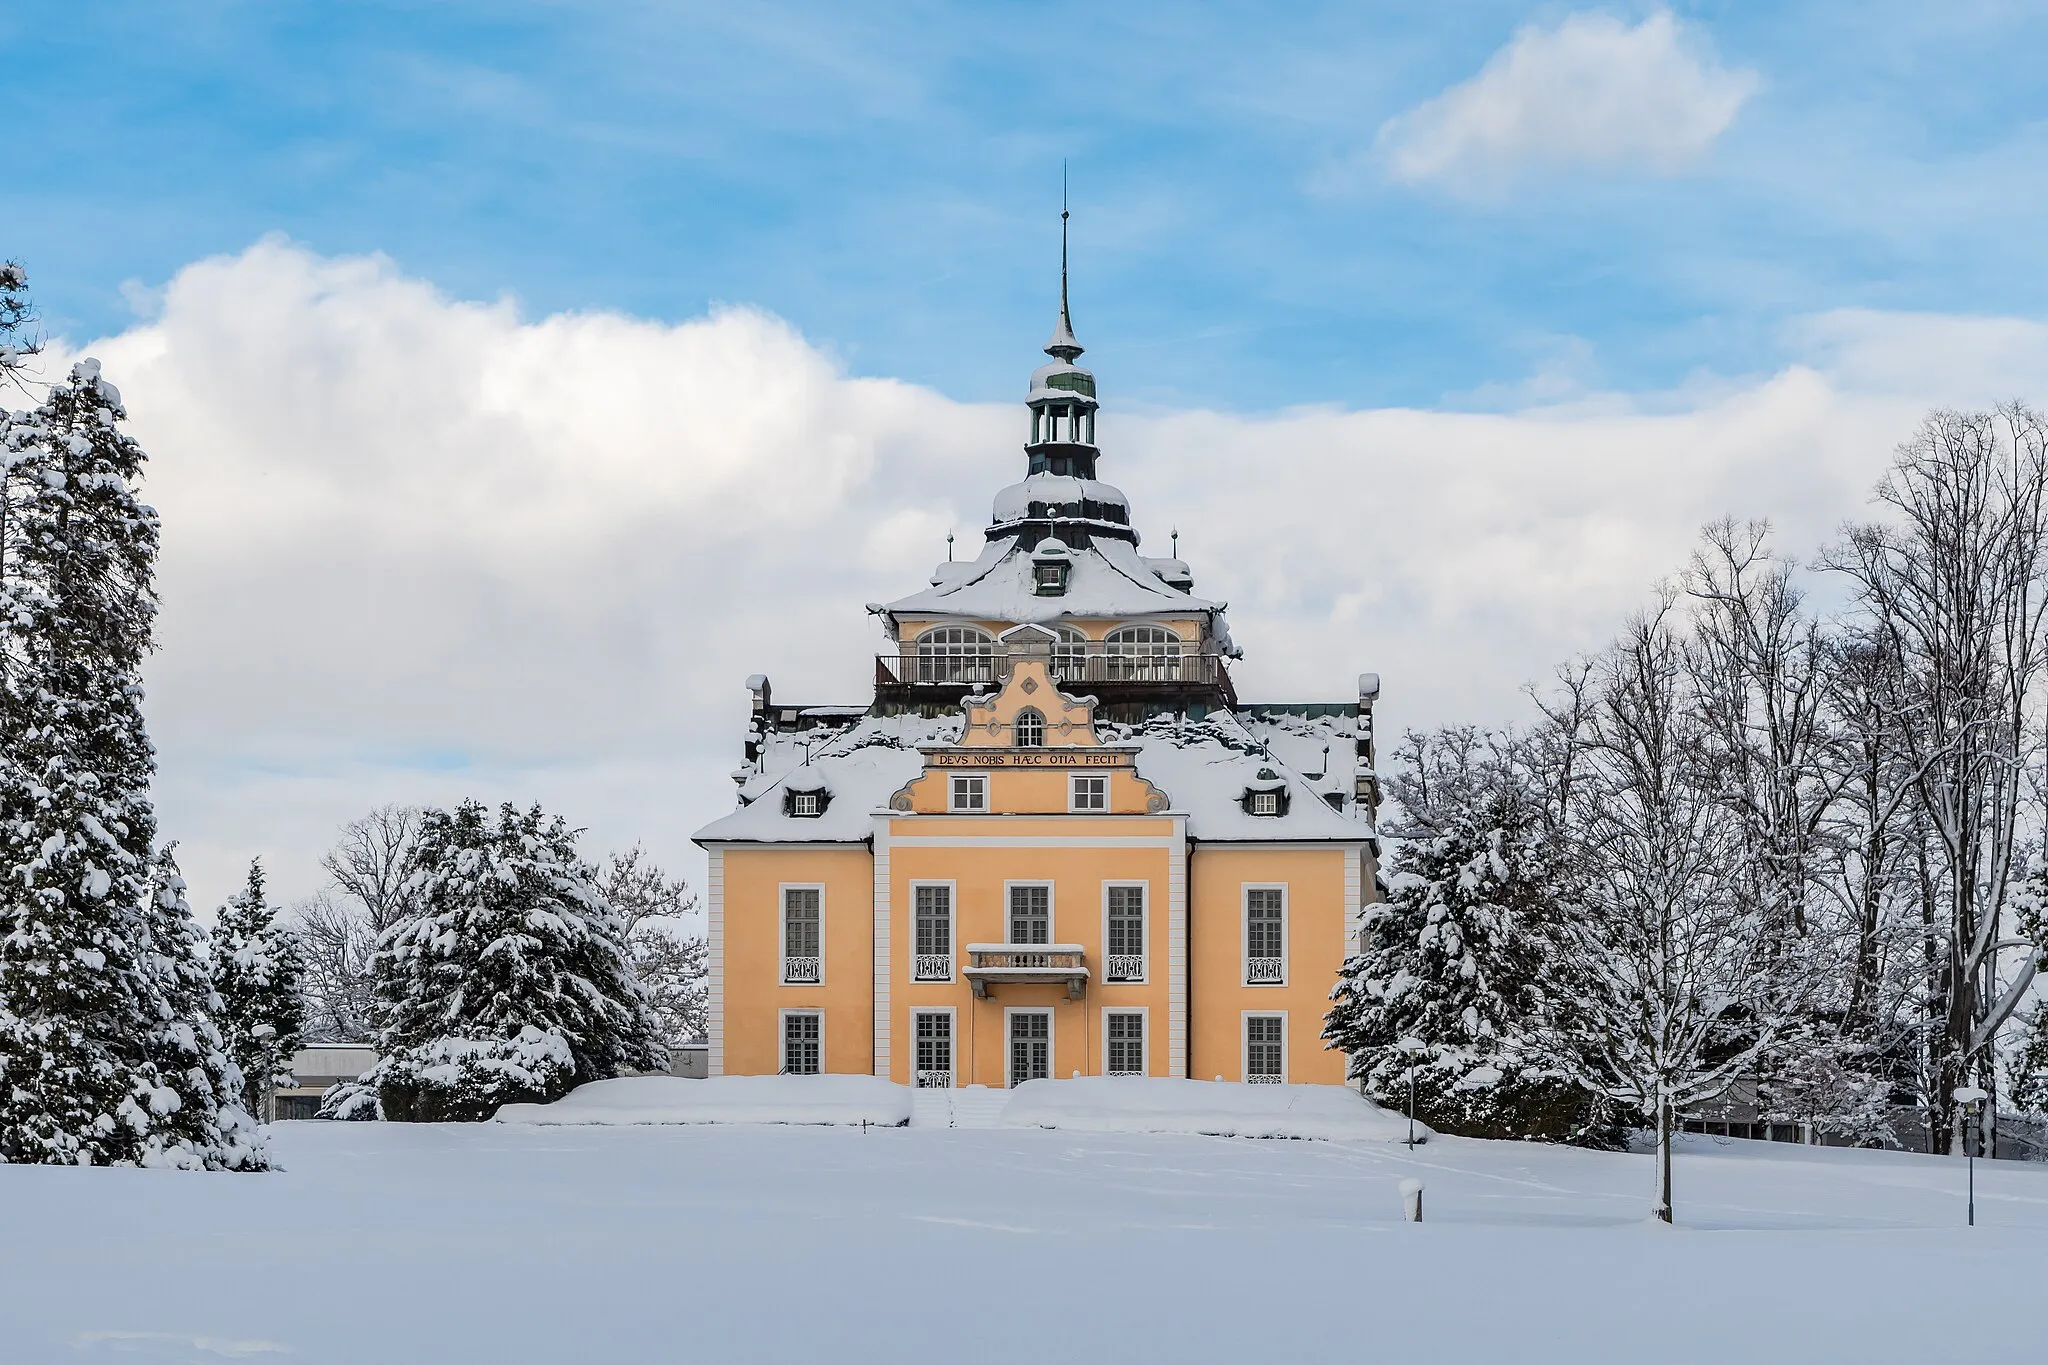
[511, 980]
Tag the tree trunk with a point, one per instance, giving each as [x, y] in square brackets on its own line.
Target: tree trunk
[1663, 1209]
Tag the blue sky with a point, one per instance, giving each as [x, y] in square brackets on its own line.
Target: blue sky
[886, 179]
[1437, 330]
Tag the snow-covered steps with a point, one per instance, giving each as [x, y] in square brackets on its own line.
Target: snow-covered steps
[974, 1106]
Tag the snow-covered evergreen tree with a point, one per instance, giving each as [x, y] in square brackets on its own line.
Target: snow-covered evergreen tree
[510, 980]
[106, 1053]
[257, 971]
[1457, 961]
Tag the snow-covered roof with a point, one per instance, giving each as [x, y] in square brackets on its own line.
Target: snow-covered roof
[1108, 578]
[861, 766]
[1204, 766]
[1301, 738]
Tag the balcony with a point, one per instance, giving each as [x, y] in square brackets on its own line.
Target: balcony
[1134, 673]
[1022, 964]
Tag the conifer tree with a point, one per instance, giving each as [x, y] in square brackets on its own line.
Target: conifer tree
[1458, 959]
[106, 1055]
[510, 980]
[258, 973]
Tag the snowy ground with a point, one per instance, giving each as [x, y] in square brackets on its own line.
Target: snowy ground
[505, 1243]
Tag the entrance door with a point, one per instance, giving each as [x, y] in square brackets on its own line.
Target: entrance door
[1030, 1045]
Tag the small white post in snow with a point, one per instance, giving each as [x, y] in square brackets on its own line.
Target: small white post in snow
[1411, 1200]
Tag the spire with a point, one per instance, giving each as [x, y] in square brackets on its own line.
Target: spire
[1063, 346]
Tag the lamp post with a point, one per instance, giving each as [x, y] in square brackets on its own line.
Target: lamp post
[1411, 1048]
[1970, 1097]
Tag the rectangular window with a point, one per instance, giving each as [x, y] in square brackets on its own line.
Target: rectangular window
[803, 1042]
[1265, 935]
[970, 792]
[934, 1030]
[803, 803]
[1030, 914]
[1123, 1044]
[1030, 1045]
[933, 956]
[1090, 793]
[1265, 1048]
[1124, 953]
[803, 961]
[1265, 803]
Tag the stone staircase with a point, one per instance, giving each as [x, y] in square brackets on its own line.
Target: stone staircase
[974, 1106]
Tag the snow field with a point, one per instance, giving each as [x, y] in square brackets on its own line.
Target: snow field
[723, 1099]
[1087, 1104]
[492, 1243]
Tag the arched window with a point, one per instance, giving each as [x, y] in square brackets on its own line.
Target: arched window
[1028, 730]
[1070, 655]
[956, 654]
[1143, 654]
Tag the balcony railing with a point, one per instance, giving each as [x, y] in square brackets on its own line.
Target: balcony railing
[932, 967]
[802, 971]
[934, 1080]
[1265, 971]
[1123, 967]
[1089, 663]
[991, 964]
[1265, 1078]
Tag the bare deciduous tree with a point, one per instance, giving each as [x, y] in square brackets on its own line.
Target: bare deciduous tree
[1952, 583]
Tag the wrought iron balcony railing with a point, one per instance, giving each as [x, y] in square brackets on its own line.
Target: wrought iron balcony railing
[1265, 971]
[802, 971]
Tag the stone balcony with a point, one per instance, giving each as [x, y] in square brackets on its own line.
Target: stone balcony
[1020, 964]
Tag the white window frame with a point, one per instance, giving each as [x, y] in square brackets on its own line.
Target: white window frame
[954, 783]
[1016, 728]
[1052, 1038]
[1052, 907]
[1074, 805]
[1244, 1044]
[952, 1014]
[1144, 975]
[1266, 804]
[1244, 941]
[782, 891]
[952, 930]
[782, 1018]
[805, 805]
[1144, 1013]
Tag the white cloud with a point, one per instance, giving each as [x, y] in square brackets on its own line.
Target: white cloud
[1593, 91]
[417, 548]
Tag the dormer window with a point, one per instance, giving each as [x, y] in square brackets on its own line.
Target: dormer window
[1049, 565]
[1028, 729]
[806, 796]
[1267, 795]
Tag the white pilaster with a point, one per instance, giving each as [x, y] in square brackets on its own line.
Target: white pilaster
[881, 945]
[1177, 951]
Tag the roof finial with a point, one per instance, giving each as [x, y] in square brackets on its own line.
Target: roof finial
[1063, 346]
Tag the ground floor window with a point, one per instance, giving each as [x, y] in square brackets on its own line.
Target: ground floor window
[1030, 1045]
[803, 1042]
[934, 1030]
[1265, 1048]
[1124, 1044]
